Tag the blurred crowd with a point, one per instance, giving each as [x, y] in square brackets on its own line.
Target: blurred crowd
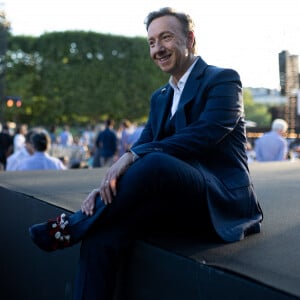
[39, 148]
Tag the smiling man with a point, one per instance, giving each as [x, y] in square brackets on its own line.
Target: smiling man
[187, 173]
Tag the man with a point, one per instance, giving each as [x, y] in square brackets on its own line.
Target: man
[40, 159]
[66, 137]
[19, 137]
[14, 159]
[273, 146]
[188, 167]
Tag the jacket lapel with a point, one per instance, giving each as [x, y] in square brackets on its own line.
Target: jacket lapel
[189, 91]
[192, 83]
[163, 109]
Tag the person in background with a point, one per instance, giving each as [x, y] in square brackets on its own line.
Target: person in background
[136, 134]
[53, 135]
[250, 152]
[66, 137]
[126, 131]
[88, 138]
[6, 146]
[273, 146]
[19, 137]
[187, 173]
[14, 159]
[107, 144]
[40, 159]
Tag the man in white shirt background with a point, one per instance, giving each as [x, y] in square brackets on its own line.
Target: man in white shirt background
[40, 159]
[273, 146]
[26, 150]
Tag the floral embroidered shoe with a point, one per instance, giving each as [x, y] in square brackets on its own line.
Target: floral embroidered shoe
[51, 235]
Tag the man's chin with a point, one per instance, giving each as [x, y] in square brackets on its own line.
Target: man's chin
[165, 69]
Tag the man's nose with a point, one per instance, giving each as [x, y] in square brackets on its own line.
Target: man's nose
[159, 47]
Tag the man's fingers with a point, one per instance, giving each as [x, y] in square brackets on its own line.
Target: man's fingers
[88, 204]
[108, 190]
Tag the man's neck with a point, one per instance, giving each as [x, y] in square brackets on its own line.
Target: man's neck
[190, 60]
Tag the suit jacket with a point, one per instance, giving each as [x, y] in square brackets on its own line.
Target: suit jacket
[210, 135]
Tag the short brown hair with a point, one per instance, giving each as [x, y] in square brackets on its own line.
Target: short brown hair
[185, 20]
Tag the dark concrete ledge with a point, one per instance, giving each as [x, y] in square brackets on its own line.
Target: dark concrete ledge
[262, 265]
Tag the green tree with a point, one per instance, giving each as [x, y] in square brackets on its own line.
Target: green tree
[81, 77]
[256, 112]
[4, 32]
[78, 77]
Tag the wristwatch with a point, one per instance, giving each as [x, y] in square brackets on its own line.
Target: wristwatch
[134, 155]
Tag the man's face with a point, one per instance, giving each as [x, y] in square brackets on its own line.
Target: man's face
[169, 47]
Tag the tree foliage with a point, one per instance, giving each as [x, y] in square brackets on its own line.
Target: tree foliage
[256, 112]
[80, 77]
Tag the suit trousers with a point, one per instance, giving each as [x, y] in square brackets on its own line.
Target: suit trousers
[157, 194]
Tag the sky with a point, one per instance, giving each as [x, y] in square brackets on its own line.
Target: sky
[246, 35]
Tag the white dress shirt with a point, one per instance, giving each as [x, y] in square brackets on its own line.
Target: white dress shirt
[14, 159]
[41, 161]
[179, 88]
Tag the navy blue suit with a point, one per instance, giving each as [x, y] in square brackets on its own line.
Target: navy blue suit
[210, 135]
[192, 174]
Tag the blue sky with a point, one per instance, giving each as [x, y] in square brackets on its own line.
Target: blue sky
[246, 35]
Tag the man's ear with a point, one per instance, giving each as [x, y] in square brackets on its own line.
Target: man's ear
[190, 39]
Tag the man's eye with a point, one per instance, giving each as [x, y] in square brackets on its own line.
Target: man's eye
[151, 43]
[167, 37]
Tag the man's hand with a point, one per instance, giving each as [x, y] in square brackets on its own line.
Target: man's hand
[108, 186]
[88, 204]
